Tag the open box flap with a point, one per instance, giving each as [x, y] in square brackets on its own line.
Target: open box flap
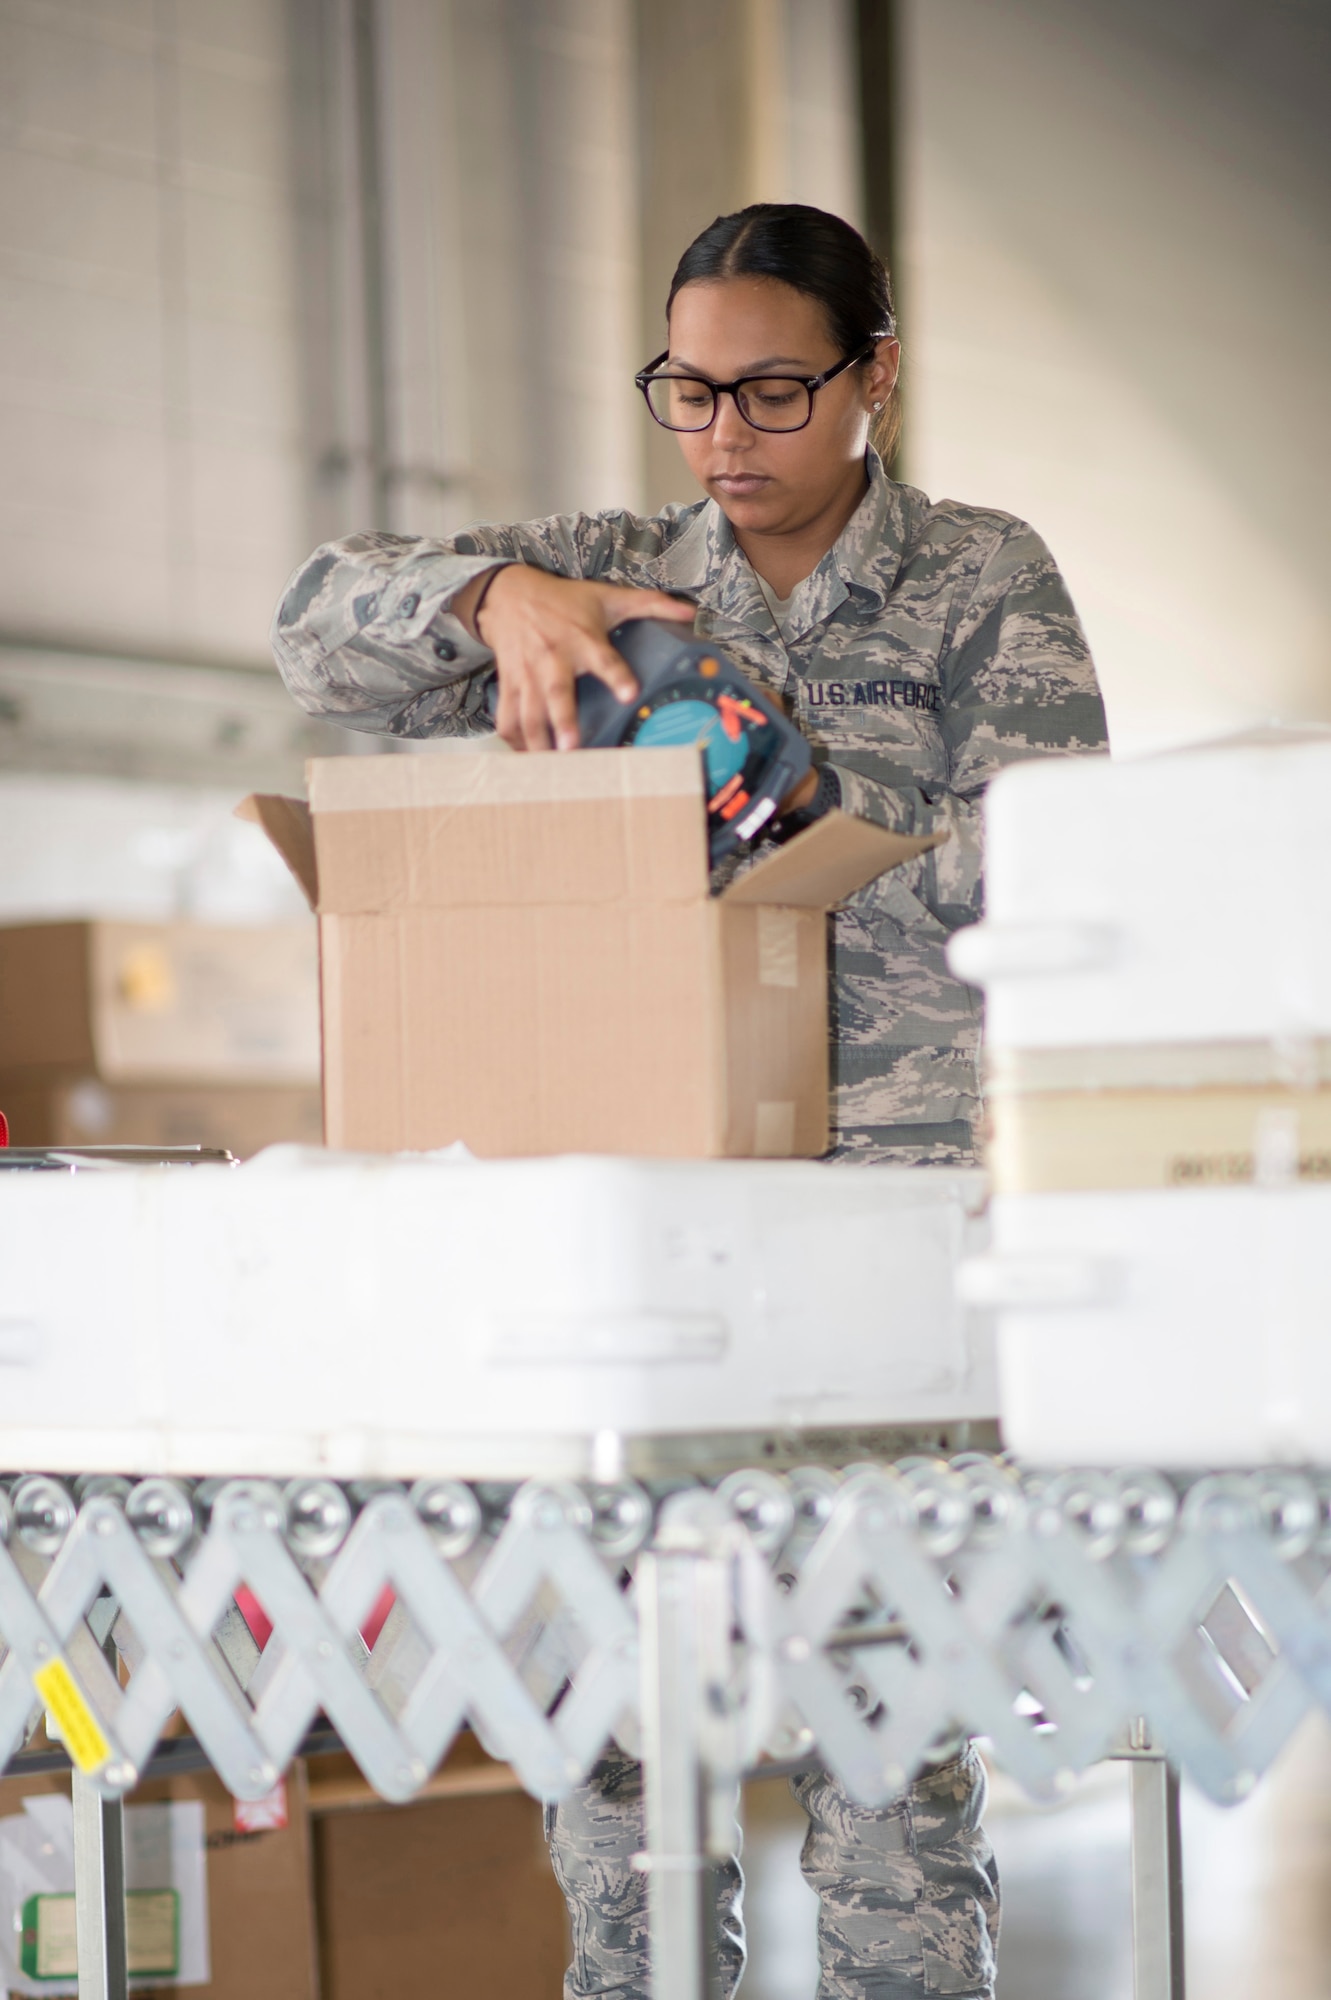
[472, 829]
[476, 777]
[826, 863]
[288, 824]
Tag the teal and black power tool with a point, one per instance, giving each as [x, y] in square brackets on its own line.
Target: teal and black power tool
[688, 692]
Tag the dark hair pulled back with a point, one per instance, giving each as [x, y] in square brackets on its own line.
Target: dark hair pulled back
[815, 253]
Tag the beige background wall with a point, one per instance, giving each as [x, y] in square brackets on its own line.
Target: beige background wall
[148, 359]
[271, 269]
[1116, 269]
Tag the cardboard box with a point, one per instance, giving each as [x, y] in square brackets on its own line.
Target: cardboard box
[354, 1897]
[81, 1111]
[453, 1896]
[160, 1003]
[523, 953]
[261, 1922]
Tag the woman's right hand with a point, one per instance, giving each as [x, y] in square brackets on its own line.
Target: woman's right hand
[546, 630]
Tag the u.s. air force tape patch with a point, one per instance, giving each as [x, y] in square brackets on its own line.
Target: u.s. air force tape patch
[875, 694]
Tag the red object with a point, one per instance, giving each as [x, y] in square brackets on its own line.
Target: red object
[261, 1625]
[266, 1815]
[4, 1129]
[250, 1609]
[378, 1618]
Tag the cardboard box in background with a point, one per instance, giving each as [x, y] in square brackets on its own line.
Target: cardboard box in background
[81, 1111]
[260, 1902]
[354, 1899]
[523, 953]
[453, 1896]
[161, 1003]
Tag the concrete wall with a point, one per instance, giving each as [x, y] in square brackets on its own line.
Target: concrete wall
[468, 225]
[274, 269]
[148, 355]
[1116, 280]
[738, 101]
[270, 269]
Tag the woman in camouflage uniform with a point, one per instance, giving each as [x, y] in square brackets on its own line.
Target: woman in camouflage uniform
[920, 646]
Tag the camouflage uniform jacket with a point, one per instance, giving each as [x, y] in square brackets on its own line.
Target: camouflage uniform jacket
[932, 645]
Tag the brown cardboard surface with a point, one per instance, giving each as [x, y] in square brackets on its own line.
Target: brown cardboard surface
[83, 1111]
[826, 863]
[140, 1002]
[399, 833]
[45, 988]
[261, 1923]
[522, 953]
[774, 977]
[477, 778]
[260, 1907]
[555, 1029]
[452, 1897]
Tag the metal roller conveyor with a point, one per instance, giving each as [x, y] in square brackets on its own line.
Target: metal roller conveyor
[854, 1616]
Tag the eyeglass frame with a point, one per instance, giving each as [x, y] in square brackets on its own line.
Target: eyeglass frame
[646, 376]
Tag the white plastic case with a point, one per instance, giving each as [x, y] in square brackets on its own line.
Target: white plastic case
[402, 1316]
[1181, 898]
[1177, 1328]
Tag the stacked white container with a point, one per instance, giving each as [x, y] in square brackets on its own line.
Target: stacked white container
[1156, 959]
[386, 1316]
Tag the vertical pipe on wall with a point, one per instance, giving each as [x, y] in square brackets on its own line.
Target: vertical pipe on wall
[573, 64]
[338, 419]
[421, 187]
[370, 219]
[739, 101]
[875, 40]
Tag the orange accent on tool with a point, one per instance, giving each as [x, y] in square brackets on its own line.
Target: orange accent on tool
[708, 668]
[735, 712]
[715, 803]
[737, 804]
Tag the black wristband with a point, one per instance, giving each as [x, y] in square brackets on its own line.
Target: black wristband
[485, 592]
[827, 796]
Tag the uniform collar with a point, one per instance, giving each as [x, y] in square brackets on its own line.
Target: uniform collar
[705, 559]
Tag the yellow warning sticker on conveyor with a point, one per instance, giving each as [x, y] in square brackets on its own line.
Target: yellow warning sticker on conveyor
[79, 1728]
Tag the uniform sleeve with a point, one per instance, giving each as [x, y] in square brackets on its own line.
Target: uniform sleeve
[1017, 683]
[364, 635]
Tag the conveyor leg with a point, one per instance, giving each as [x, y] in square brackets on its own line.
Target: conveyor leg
[1157, 1881]
[99, 1893]
[674, 1860]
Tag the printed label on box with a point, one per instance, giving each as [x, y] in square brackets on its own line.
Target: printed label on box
[50, 1934]
[265, 1815]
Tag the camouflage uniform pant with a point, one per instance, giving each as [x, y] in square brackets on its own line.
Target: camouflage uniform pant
[908, 1894]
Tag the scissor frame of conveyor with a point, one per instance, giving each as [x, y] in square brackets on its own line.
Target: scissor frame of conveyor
[850, 1616]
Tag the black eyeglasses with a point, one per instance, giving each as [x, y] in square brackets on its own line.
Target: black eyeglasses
[768, 402]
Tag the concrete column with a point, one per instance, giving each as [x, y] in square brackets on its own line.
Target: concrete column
[1118, 284]
[740, 101]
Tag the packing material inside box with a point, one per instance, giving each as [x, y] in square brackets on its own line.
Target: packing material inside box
[160, 1003]
[524, 953]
